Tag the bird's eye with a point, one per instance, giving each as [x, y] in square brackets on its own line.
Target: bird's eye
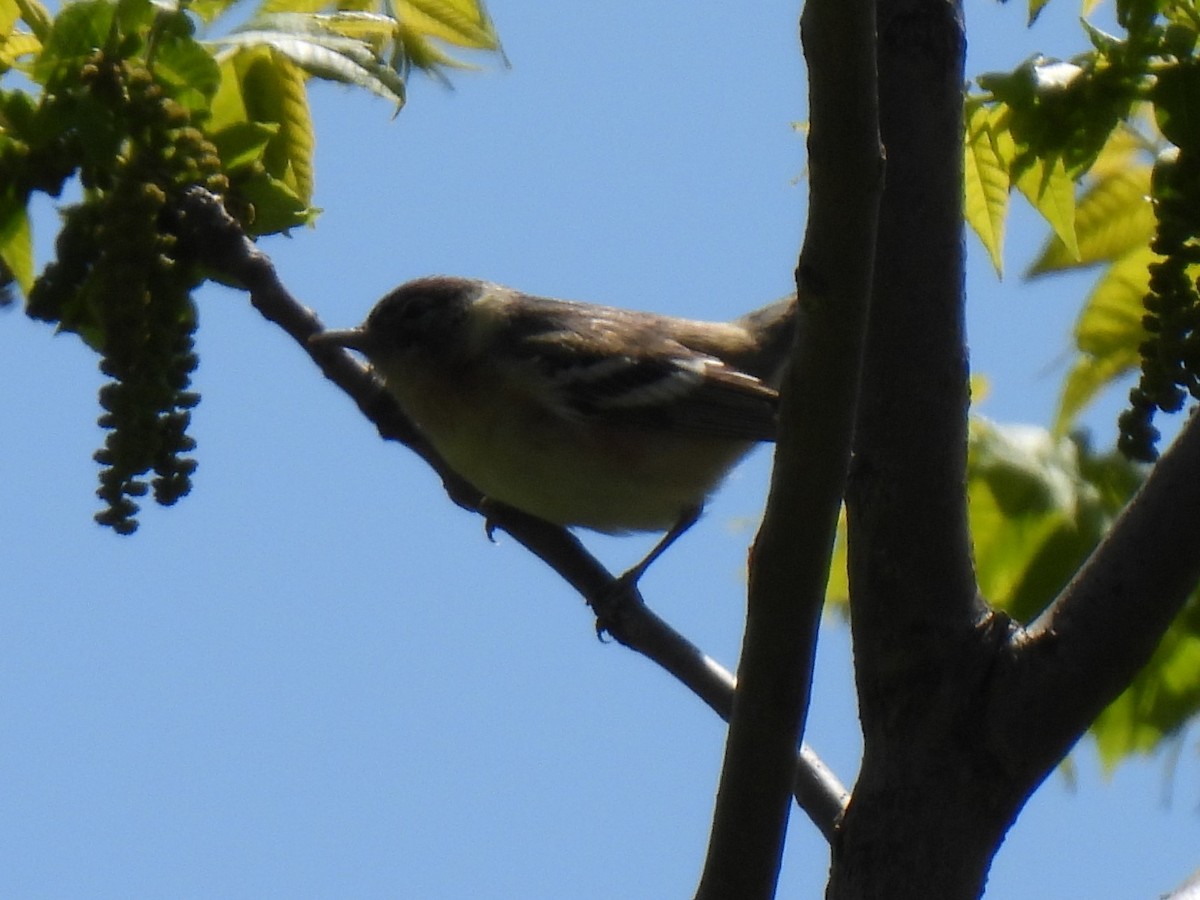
[409, 314]
[418, 312]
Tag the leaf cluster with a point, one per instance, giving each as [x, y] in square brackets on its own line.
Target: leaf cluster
[126, 98]
[1102, 146]
[1119, 122]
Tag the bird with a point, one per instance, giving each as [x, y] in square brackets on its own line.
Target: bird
[580, 414]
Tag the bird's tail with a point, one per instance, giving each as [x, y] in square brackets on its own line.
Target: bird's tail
[774, 330]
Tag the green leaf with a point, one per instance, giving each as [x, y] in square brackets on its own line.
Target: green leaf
[1111, 318]
[9, 14]
[37, 17]
[270, 7]
[401, 35]
[1122, 150]
[1063, 112]
[986, 184]
[372, 29]
[319, 52]
[1021, 490]
[1035, 9]
[16, 46]
[1112, 218]
[136, 16]
[1108, 333]
[242, 144]
[277, 208]
[1048, 187]
[78, 30]
[1087, 377]
[837, 589]
[188, 70]
[424, 24]
[276, 94]
[1038, 505]
[1044, 182]
[1163, 697]
[209, 10]
[463, 23]
[261, 113]
[1176, 97]
[16, 240]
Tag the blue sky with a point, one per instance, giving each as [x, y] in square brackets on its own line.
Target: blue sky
[315, 677]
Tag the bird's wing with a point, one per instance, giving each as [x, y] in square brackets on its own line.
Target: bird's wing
[629, 371]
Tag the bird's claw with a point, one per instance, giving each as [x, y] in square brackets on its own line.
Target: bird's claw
[485, 508]
[613, 604]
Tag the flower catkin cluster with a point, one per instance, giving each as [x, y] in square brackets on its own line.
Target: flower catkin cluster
[1171, 352]
[121, 281]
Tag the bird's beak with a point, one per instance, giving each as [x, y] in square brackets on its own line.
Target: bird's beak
[353, 338]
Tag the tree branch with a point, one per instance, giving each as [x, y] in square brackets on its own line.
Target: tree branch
[816, 789]
[217, 241]
[1079, 655]
[790, 562]
[913, 590]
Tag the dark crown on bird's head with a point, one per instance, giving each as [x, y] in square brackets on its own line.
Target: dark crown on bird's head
[421, 311]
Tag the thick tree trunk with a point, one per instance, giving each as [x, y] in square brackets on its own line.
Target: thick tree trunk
[964, 712]
[930, 807]
[933, 802]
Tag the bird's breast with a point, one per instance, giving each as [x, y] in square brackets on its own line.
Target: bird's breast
[571, 471]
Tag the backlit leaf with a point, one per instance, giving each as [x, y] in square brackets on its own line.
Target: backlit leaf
[1107, 334]
[986, 185]
[1112, 218]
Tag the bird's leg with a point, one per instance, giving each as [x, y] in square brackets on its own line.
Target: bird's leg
[686, 521]
[624, 590]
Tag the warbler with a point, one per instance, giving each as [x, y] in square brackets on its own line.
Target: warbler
[582, 415]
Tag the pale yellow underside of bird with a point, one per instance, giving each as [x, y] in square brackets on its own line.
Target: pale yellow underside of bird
[553, 469]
